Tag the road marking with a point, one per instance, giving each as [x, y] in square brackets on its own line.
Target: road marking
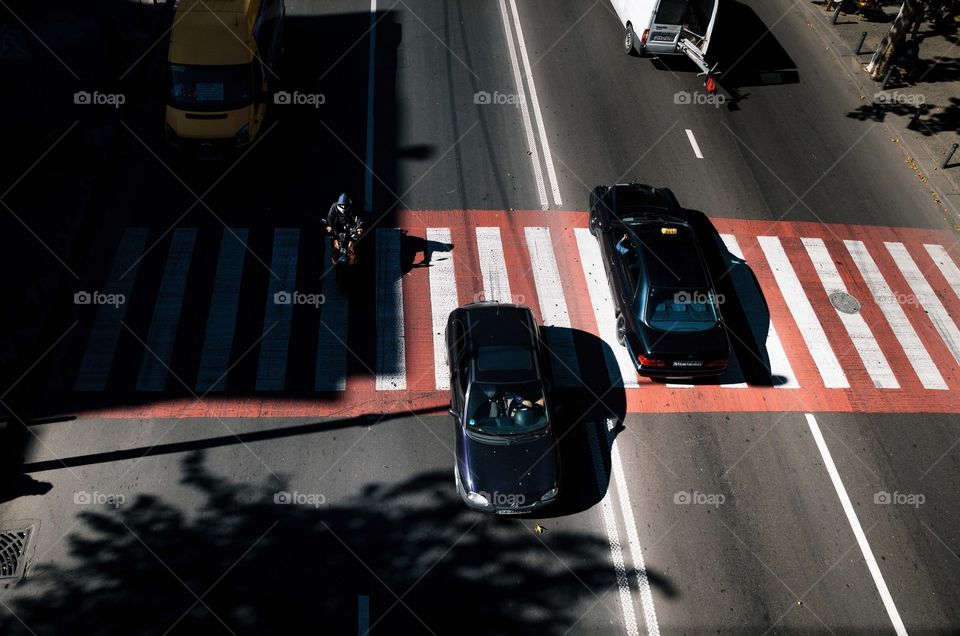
[778, 365]
[102, 343]
[613, 536]
[535, 102]
[524, 110]
[331, 367]
[928, 299]
[619, 366]
[222, 320]
[923, 365]
[860, 334]
[946, 265]
[391, 353]
[274, 347]
[553, 306]
[371, 76]
[803, 314]
[493, 267]
[857, 529]
[166, 314]
[693, 142]
[363, 613]
[639, 566]
[443, 300]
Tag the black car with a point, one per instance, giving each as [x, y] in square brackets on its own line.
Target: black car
[506, 453]
[667, 311]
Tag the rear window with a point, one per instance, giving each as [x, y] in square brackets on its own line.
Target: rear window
[504, 359]
[681, 309]
[209, 87]
[671, 12]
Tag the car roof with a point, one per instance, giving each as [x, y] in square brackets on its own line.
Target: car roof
[213, 32]
[670, 259]
[491, 330]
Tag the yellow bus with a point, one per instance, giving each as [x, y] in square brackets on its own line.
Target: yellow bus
[220, 72]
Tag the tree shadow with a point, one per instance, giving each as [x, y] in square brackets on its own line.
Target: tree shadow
[932, 121]
[265, 559]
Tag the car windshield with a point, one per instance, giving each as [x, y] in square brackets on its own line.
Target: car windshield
[671, 11]
[506, 409]
[501, 358]
[210, 88]
[681, 309]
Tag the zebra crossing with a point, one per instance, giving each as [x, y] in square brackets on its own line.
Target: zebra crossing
[901, 351]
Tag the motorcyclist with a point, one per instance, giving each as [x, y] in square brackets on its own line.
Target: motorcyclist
[341, 217]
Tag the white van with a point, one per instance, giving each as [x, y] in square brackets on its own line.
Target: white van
[667, 27]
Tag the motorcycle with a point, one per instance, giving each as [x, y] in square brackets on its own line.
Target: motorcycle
[344, 255]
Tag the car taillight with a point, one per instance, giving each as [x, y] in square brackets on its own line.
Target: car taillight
[643, 38]
[650, 362]
[718, 363]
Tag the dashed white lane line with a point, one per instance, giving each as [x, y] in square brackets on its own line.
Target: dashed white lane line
[693, 142]
[857, 529]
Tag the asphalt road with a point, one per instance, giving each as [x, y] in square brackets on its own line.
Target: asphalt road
[720, 522]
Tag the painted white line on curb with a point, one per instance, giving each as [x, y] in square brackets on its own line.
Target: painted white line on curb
[857, 529]
[693, 142]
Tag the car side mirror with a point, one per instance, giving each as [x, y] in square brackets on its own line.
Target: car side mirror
[454, 413]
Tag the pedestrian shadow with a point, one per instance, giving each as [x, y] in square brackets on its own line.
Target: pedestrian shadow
[411, 246]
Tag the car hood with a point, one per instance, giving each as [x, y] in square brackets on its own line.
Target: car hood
[521, 468]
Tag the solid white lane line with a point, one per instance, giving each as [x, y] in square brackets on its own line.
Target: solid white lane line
[535, 102]
[779, 364]
[619, 366]
[923, 365]
[524, 110]
[331, 363]
[166, 313]
[803, 314]
[95, 366]
[371, 83]
[636, 550]
[936, 312]
[857, 529]
[493, 268]
[946, 266]
[693, 142]
[553, 306]
[443, 300]
[613, 535]
[860, 334]
[391, 349]
[222, 319]
[275, 344]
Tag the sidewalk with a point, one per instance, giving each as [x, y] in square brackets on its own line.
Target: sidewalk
[926, 143]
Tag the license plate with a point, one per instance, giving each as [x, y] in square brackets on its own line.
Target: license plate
[687, 363]
[662, 37]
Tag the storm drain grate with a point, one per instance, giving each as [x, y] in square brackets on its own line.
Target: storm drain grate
[14, 546]
[844, 302]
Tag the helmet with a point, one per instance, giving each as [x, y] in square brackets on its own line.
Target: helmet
[344, 202]
[525, 417]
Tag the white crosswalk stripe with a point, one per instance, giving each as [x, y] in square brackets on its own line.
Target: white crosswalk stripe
[928, 299]
[331, 361]
[946, 266]
[803, 314]
[860, 334]
[443, 300]
[553, 306]
[275, 343]
[776, 360]
[166, 315]
[391, 351]
[923, 365]
[222, 320]
[493, 268]
[620, 368]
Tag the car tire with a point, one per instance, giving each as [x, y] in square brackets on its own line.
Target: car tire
[592, 226]
[621, 330]
[630, 41]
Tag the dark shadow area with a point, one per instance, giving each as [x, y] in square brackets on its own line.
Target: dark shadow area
[932, 120]
[417, 251]
[744, 308]
[269, 559]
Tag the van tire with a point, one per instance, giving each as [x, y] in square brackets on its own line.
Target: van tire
[630, 41]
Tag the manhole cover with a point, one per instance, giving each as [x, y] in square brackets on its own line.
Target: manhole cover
[844, 302]
[15, 548]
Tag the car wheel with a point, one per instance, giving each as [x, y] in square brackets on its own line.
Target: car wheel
[630, 41]
[593, 227]
[621, 330]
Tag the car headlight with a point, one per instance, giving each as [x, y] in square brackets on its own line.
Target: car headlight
[243, 135]
[550, 494]
[478, 499]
